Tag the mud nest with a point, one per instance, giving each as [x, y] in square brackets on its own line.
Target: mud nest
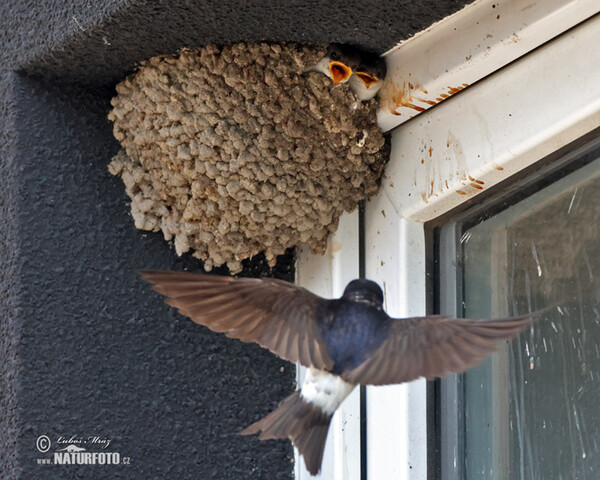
[232, 151]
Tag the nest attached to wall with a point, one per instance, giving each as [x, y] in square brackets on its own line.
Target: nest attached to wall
[232, 151]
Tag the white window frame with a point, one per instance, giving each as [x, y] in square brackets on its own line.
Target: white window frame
[451, 292]
[440, 159]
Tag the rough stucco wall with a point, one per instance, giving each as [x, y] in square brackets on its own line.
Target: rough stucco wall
[100, 352]
[85, 347]
[9, 281]
[99, 43]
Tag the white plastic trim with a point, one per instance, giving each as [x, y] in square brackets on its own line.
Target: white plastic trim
[396, 415]
[467, 46]
[496, 128]
[327, 275]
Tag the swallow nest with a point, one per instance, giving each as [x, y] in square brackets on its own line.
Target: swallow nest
[232, 151]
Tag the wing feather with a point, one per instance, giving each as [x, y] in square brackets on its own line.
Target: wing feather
[433, 346]
[275, 314]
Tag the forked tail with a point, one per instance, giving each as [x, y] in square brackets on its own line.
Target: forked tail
[303, 423]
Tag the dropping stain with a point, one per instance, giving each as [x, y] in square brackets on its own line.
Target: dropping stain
[414, 107]
[453, 90]
[460, 192]
[430, 150]
[383, 213]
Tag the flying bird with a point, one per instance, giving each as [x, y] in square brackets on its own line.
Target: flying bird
[337, 64]
[367, 78]
[343, 342]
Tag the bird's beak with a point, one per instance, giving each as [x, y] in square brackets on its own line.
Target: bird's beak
[367, 79]
[340, 72]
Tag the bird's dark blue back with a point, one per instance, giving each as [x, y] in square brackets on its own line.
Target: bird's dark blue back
[351, 331]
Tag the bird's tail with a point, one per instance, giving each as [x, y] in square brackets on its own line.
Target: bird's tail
[300, 421]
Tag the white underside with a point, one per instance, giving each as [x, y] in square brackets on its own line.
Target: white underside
[324, 390]
[363, 92]
[322, 67]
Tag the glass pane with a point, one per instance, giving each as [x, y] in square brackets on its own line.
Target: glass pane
[532, 411]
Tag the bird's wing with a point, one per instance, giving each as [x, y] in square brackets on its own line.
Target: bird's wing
[433, 346]
[275, 314]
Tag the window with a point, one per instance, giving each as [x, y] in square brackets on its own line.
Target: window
[451, 157]
[530, 411]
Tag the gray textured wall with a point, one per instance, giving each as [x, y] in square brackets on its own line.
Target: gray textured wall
[85, 347]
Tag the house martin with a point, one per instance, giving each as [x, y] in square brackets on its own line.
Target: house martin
[343, 342]
[337, 64]
[367, 78]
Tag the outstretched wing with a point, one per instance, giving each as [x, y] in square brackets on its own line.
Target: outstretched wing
[433, 346]
[275, 314]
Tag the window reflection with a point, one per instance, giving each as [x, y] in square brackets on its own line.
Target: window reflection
[532, 411]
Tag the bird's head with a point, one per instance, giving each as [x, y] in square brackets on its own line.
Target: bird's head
[337, 64]
[371, 70]
[364, 291]
[339, 72]
[342, 61]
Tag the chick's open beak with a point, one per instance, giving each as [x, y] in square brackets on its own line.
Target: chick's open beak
[340, 72]
[367, 79]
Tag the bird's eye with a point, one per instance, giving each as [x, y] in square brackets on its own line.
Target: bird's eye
[334, 55]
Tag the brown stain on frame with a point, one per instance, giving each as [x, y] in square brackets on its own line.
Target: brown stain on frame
[395, 96]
